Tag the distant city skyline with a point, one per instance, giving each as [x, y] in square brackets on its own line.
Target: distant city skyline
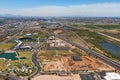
[84, 8]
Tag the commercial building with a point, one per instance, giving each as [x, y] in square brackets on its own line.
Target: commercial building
[112, 76]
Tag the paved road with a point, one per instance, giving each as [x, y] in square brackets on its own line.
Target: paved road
[90, 52]
[35, 62]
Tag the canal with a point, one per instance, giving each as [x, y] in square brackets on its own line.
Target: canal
[111, 48]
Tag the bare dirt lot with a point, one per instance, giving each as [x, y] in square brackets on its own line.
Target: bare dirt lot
[110, 31]
[52, 63]
[66, 63]
[55, 77]
[86, 63]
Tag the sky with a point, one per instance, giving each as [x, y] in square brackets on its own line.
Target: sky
[82, 8]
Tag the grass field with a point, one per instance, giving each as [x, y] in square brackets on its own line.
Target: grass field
[97, 26]
[7, 46]
[109, 26]
[27, 55]
[18, 36]
[102, 26]
[78, 52]
[54, 52]
[91, 26]
[91, 37]
[86, 26]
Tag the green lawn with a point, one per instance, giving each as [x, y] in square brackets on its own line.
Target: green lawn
[7, 46]
[27, 55]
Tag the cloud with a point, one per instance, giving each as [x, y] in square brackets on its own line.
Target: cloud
[98, 9]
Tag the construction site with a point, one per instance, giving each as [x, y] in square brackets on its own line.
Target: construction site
[85, 63]
[52, 63]
[71, 62]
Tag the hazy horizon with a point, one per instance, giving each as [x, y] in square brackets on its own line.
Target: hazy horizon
[93, 8]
